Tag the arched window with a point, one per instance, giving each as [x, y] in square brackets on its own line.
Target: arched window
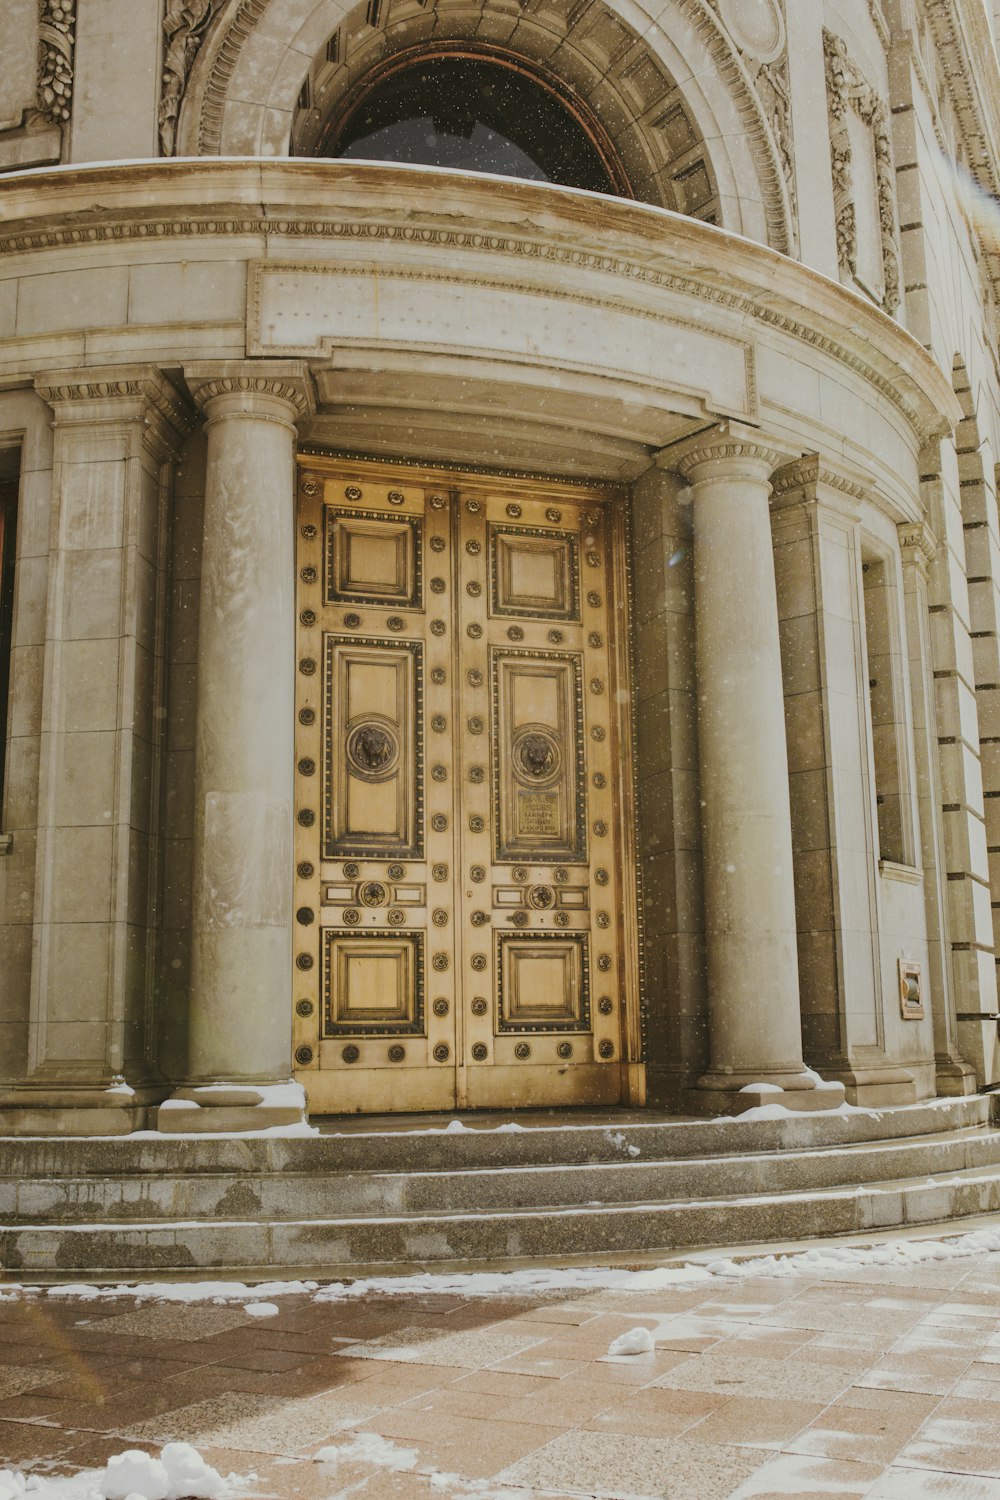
[476, 112]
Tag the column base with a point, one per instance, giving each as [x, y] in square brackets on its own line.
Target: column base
[232, 1108]
[734, 1093]
[953, 1076]
[104, 1109]
[877, 1087]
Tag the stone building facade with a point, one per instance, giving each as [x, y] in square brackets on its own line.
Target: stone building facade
[478, 640]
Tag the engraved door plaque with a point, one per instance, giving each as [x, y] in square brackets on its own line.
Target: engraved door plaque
[463, 834]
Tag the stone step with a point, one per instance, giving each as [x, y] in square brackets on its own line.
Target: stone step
[270, 1195]
[336, 1245]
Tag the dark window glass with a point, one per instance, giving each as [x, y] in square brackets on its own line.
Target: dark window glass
[474, 115]
[8, 514]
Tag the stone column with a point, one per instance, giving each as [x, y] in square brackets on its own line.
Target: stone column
[917, 548]
[89, 1066]
[240, 1024]
[755, 1029]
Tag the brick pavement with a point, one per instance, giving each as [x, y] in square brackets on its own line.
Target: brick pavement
[879, 1382]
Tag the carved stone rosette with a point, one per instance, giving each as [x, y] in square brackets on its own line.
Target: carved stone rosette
[56, 41]
[846, 88]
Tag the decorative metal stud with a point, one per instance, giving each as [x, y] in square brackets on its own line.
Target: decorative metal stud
[396, 622]
[556, 637]
[604, 962]
[305, 916]
[473, 507]
[437, 544]
[597, 685]
[303, 1056]
[439, 872]
[440, 1006]
[310, 488]
[595, 639]
[553, 515]
[439, 917]
[605, 1005]
[519, 918]
[513, 511]
[565, 1049]
[396, 1053]
[439, 773]
[594, 599]
[515, 633]
[598, 734]
[373, 893]
[600, 827]
[304, 961]
[395, 872]
[561, 919]
[307, 666]
[606, 1049]
[522, 1051]
[477, 873]
[476, 774]
[307, 767]
[479, 1006]
[308, 575]
[352, 492]
[396, 918]
[350, 1054]
[395, 498]
[480, 1051]
[479, 962]
[309, 530]
[519, 873]
[541, 897]
[307, 818]
[440, 962]
[439, 723]
[305, 870]
[437, 502]
[438, 585]
[474, 677]
[473, 548]
[474, 632]
[476, 824]
[442, 1052]
[603, 920]
[439, 676]
[438, 627]
[475, 725]
[308, 617]
[352, 620]
[352, 916]
[591, 518]
[307, 716]
[601, 876]
[599, 779]
[439, 823]
[351, 870]
[473, 590]
[593, 559]
[480, 918]
[304, 1007]
[560, 876]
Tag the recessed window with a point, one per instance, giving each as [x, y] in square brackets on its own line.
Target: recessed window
[476, 114]
[8, 523]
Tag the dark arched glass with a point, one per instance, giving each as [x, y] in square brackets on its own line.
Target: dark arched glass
[477, 115]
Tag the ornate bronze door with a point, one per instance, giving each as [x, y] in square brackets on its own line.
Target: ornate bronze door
[465, 912]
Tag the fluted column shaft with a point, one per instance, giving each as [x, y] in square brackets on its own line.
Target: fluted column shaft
[750, 929]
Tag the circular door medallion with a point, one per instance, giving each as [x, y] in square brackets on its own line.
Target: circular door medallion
[373, 893]
[372, 750]
[536, 755]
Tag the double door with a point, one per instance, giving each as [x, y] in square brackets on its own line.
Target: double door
[465, 925]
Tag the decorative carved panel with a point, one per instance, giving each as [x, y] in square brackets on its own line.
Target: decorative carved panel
[539, 797]
[534, 573]
[373, 985]
[372, 559]
[543, 982]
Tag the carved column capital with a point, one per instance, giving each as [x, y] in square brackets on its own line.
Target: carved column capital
[115, 393]
[722, 452]
[917, 545]
[267, 389]
[803, 479]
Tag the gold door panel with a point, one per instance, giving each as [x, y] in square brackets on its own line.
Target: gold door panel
[465, 907]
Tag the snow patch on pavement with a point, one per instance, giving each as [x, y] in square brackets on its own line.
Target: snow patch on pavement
[369, 1448]
[180, 1473]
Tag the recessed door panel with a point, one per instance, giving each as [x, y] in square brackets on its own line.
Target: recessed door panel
[465, 915]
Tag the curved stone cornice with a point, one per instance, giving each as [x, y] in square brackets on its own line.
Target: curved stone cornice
[288, 383]
[807, 473]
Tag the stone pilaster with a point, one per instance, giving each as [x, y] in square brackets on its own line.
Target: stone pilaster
[89, 1070]
[917, 548]
[750, 935]
[240, 1019]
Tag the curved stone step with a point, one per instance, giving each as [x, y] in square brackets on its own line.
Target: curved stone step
[335, 1245]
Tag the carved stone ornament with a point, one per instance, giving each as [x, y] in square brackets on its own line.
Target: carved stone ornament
[846, 88]
[56, 43]
[184, 26]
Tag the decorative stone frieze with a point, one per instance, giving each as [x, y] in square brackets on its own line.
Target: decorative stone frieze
[56, 42]
[847, 89]
[807, 473]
